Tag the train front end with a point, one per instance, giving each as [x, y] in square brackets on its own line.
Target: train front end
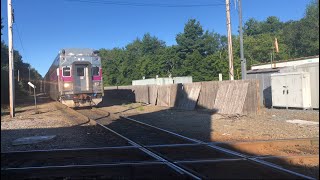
[81, 81]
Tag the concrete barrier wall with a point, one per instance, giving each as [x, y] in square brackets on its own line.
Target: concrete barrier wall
[182, 80]
[163, 81]
[224, 97]
[144, 82]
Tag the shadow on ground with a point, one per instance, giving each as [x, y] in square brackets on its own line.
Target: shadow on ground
[94, 136]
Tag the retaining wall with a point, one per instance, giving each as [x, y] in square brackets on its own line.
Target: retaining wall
[224, 97]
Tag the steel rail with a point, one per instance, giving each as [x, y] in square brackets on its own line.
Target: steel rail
[164, 161]
[187, 138]
[261, 162]
[167, 145]
[74, 149]
[209, 160]
[170, 164]
[80, 171]
[170, 145]
[178, 135]
[269, 141]
[87, 165]
[173, 145]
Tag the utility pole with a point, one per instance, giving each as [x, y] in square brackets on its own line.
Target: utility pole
[231, 74]
[242, 59]
[29, 81]
[11, 64]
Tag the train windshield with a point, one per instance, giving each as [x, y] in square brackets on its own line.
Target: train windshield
[95, 71]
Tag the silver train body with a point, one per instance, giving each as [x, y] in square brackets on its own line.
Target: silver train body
[75, 78]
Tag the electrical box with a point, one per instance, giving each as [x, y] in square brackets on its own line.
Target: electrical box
[291, 90]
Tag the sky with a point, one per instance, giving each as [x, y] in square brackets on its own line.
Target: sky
[43, 27]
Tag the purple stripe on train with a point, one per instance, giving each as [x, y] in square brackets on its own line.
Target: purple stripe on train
[99, 77]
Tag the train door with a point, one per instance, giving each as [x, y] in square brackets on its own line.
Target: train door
[81, 77]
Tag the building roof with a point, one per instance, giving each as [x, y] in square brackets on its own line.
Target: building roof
[288, 60]
[269, 70]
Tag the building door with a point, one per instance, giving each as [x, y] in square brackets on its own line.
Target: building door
[279, 90]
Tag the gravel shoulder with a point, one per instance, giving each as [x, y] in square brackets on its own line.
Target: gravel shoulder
[207, 126]
[70, 129]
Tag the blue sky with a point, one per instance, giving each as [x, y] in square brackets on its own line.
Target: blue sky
[46, 26]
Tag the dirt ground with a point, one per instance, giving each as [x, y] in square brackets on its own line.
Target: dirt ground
[70, 130]
[210, 127]
[74, 131]
[199, 124]
[268, 124]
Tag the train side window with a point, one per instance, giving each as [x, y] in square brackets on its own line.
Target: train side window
[80, 71]
[66, 71]
[95, 71]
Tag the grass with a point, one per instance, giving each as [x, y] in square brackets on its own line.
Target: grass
[129, 105]
[141, 108]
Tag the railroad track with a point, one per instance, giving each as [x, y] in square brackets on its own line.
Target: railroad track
[153, 152]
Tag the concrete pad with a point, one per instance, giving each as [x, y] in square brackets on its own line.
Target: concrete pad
[32, 140]
[302, 122]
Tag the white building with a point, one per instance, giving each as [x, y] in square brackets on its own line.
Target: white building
[163, 81]
[289, 62]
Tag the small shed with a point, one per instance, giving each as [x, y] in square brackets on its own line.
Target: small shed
[313, 69]
[264, 77]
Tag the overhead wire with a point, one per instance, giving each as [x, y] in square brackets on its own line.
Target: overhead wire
[18, 32]
[17, 28]
[141, 4]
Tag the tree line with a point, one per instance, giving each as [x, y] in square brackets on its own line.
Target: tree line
[21, 86]
[203, 54]
[199, 53]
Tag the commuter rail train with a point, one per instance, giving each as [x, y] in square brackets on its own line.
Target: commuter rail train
[75, 78]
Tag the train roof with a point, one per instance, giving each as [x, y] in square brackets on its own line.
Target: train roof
[77, 51]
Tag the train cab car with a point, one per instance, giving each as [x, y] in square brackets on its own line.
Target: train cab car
[75, 78]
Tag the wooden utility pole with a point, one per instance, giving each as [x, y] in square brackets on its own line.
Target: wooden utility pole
[11, 64]
[242, 59]
[231, 74]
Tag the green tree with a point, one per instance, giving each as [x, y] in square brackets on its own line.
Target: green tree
[252, 27]
[191, 39]
[1, 26]
[203, 54]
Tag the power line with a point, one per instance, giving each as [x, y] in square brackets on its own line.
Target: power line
[20, 38]
[139, 4]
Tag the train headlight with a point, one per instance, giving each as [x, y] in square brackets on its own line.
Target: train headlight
[97, 83]
[66, 85]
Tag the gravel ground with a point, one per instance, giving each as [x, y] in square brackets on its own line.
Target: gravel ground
[74, 131]
[268, 124]
[71, 130]
[207, 126]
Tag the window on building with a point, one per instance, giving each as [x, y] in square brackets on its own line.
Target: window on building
[95, 71]
[66, 71]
